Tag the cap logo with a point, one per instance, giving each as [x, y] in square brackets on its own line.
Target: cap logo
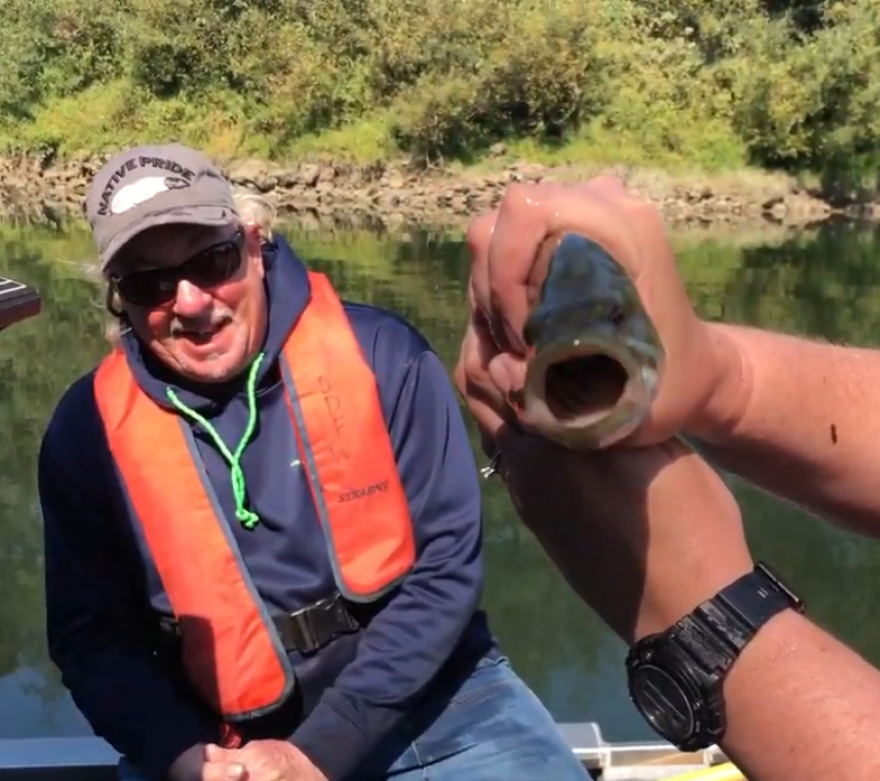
[130, 195]
[110, 201]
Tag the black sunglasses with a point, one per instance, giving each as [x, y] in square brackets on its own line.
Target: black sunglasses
[206, 269]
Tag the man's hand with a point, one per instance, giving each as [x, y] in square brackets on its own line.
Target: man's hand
[193, 765]
[504, 246]
[621, 525]
[266, 760]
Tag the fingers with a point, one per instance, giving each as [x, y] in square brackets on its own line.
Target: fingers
[475, 385]
[221, 764]
[508, 375]
[518, 232]
[478, 238]
[223, 771]
[215, 753]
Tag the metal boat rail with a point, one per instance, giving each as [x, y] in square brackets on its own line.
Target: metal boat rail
[92, 759]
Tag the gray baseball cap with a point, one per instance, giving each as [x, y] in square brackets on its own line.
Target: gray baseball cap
[147, 186]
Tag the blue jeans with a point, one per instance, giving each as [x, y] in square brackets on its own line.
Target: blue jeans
[488, 727]
[492, 728]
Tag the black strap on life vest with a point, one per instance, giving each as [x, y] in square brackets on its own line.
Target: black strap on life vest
[310, 628]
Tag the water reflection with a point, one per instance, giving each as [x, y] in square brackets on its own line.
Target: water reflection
[823, 283]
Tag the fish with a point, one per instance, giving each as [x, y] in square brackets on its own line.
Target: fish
[594, 358]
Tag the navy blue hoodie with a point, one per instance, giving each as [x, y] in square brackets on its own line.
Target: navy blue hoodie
[103, 591]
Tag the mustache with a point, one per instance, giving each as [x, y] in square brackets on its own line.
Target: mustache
[184, 325]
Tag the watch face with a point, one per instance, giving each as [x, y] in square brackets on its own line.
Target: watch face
[663, 702]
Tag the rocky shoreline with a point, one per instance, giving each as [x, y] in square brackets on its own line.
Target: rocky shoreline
[31, 188]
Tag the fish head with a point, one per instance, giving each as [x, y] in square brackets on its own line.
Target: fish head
[595, 359]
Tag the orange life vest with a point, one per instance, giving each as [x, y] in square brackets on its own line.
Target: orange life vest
[230, 646]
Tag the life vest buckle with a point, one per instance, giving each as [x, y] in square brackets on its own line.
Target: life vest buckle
[311, 627]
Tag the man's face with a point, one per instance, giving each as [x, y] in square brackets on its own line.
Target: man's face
[195, 297]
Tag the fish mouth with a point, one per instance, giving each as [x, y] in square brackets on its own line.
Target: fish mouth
[584, 385]
[586, 395]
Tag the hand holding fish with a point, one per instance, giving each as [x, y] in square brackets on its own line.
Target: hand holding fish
[623, 523]
[266, 760]
[575, 292]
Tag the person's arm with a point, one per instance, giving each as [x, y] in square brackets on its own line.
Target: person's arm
[94, 634]
[623, 525]
[801, 419]
[800, 704]
[406, 644]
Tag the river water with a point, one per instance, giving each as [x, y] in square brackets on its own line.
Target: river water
[824, 282]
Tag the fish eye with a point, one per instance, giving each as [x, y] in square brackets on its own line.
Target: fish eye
[616, 315]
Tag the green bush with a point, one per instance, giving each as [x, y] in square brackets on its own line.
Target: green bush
[709, 82]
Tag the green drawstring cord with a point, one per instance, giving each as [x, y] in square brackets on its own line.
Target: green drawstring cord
[247, 518]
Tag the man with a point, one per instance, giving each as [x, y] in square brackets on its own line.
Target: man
[262, 518]
[650, 537]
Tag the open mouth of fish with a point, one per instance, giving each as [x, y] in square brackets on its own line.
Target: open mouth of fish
[601, 390]
[582, 383]
[585, 387]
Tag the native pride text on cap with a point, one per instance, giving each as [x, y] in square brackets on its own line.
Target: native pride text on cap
[138, 164]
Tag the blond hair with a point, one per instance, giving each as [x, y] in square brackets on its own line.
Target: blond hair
[254, 210]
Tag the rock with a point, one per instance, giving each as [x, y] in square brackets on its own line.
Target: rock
[396, 181]
[309, 175]
[248, 173]
[287, 178]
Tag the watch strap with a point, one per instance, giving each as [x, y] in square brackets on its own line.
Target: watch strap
[676, 676]
[717, 630]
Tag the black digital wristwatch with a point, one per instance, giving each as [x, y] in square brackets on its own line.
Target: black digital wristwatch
[676, 677]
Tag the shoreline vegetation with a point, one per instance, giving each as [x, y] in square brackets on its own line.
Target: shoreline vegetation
[720, 111]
